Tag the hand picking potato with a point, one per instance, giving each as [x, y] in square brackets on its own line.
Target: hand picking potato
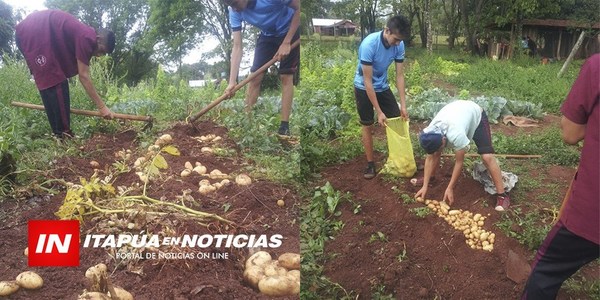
[8, 287]
[290, 261]
[30, 280]
[260, 258]
[277, 286]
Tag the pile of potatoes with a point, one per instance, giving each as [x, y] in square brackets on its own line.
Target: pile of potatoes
[279, 277]
[100, 288]
[470, 224]
[27, 280]
[163, 140]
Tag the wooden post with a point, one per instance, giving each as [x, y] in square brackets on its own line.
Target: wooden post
[559, 42]
[572, 54]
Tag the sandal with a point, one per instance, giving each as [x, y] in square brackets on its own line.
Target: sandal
[419, 181]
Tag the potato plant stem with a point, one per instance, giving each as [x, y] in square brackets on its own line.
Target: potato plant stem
[179, 207]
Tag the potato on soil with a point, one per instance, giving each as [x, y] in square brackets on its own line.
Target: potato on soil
[94, 164]
[164, 139]
[294, 275]
[96, 270]
[122, 294]
[8, 287]
[273, 268]
[260, 258]
[200, 169]
[93, 296]
[277, 286]
[243, 179]
[206, 150]
[188, 165]
[26, 251]
[280, 203]
[186, 173]
[253, 275]
[30, 280]
[290, 261]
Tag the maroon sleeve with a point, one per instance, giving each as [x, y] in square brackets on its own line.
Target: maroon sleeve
[584, 93]
[85, 44]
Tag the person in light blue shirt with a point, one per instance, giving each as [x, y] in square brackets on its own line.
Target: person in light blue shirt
[454, 126]
[371, 89]
[278, 21]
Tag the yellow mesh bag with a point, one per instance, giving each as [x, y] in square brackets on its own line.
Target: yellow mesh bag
[401, 161]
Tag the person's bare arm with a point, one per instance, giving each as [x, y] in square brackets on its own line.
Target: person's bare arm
[401, 86]
[236, 58]
[88, 85]
[367, 71]
[285, 47]
[459, 157]
[571, 132]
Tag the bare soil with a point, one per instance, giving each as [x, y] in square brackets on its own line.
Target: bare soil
[424, 257]
[253, 210]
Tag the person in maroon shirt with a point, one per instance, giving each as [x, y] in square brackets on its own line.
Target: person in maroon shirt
[56, 47]
[574, 239]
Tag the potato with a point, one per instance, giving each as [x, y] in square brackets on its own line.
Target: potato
[280, 203]
[186, 173]
[273, 268]
[260, 258]
[294, 275]
[217, 138]
[225, 182]
[277, 286]
[217, 185]
[122, 294]
[164, 139]
[217, 174]
[420, 199]
[253, 275]
[30, 280]
[290, 261]
[26, 251]
[93, 296]
[97, 270]
[200, 169]
[444, 205]
[243, 179]
[94, 164]
[204, 182]
[206, 189]
[138, 162]
[8, 287]
[188, 165]
[454, 212]
[206, 150]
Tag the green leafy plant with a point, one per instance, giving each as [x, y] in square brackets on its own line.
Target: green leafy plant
[421, 212]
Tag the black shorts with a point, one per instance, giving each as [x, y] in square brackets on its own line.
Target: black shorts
[266, 48]
[387, 103]
[483, 136]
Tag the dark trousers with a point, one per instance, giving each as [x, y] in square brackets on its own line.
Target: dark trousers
[561, 254]
[58, 108]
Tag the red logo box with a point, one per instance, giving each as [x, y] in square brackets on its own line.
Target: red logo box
[53, 243]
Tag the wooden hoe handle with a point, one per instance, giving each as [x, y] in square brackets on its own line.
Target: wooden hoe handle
[92, 113]
[238, 86]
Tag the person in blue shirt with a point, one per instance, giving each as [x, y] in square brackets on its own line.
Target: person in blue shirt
[278, 21]
[371, 89]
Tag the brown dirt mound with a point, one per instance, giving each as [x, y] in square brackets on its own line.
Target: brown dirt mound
[388, 245]
[253, 210]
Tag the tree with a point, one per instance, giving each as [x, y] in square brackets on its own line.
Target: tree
[7, 23]
[177, 25]
[128, 20]
[452, 20]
